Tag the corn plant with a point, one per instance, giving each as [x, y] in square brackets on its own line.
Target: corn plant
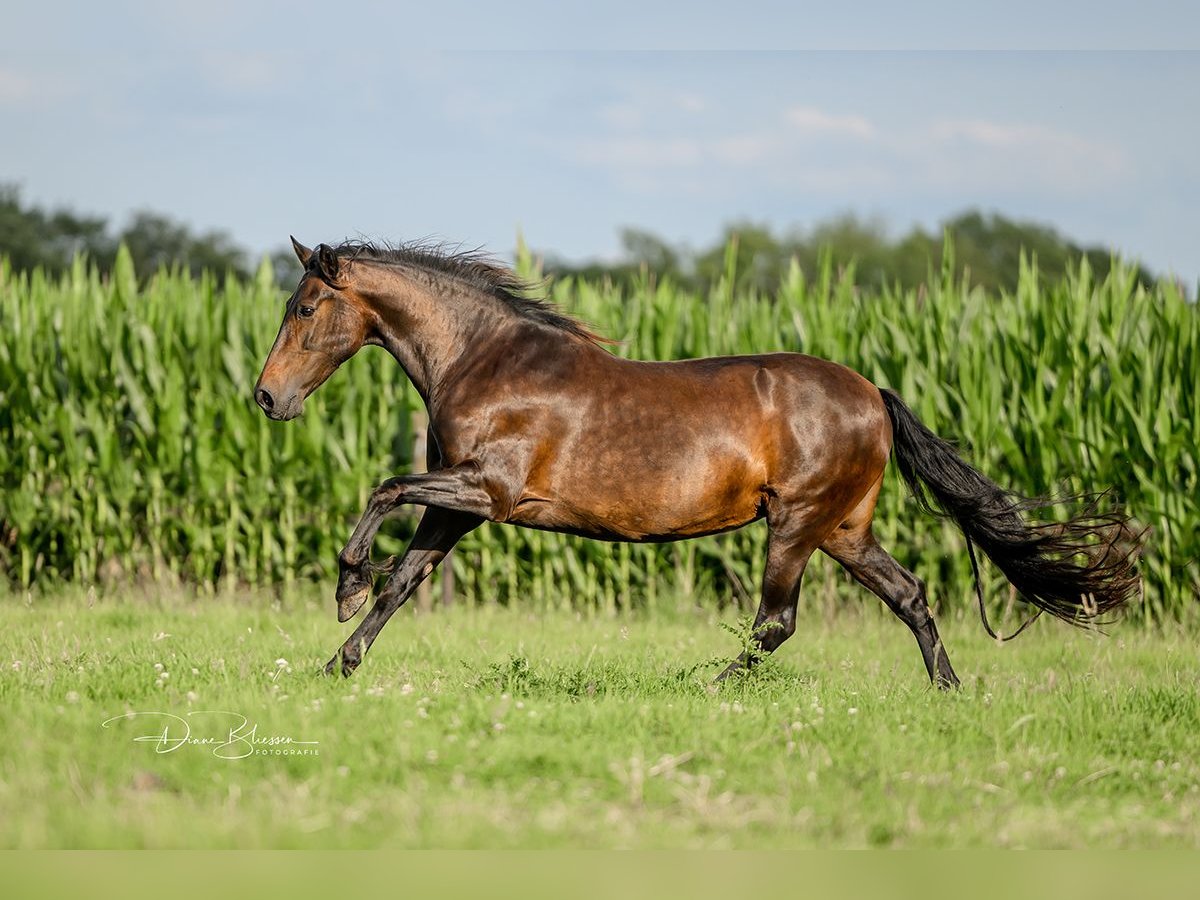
[130, 447]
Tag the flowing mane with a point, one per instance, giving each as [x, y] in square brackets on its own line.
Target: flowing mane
[474, 269]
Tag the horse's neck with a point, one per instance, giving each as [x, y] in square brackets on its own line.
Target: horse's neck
[428, 330]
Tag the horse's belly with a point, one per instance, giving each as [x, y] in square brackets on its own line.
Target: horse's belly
[667, 507]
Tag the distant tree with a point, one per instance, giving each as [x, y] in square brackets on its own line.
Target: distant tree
[989, 246]
[30, 237]
[988, 249]
[156, 241]
[286, 267]
[645, 249]
[760, 260]
[914, 256]
[861, 242]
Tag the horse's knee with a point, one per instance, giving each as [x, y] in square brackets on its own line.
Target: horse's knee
[388, 492]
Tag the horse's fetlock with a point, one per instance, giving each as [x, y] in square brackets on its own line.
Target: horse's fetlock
[772, 632]
[913, 609]
[913, 604]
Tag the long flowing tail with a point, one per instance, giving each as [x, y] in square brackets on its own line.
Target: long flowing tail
[1077, 570]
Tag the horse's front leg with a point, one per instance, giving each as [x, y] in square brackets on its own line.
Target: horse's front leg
[356, 572]
[454, 489]
[461, 506]
[437, 534]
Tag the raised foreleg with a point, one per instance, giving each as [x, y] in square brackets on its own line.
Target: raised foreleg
[456, 489]
[455, 502]
[436, 535]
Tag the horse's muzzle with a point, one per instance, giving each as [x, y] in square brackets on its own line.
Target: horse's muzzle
[276, 408]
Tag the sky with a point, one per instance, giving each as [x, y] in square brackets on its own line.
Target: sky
[566, 121]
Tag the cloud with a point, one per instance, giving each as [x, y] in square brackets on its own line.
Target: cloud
[769, 145]
[15, 87]
[30, 89]
[819, 151]
[743, 150]
[1017, 137]
[238, 73]
[816, 122]
[645, 109]
[640, 153]
[1018, 154]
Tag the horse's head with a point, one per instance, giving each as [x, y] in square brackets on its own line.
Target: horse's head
[324, 324]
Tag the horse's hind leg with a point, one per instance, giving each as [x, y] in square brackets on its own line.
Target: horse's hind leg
[788, 551]
[854, 546]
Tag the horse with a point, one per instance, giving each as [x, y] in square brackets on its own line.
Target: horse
[532, 422]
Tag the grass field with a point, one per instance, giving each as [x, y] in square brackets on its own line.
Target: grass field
[498, 727]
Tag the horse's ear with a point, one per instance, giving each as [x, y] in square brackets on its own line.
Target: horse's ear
[302, 253]
[327, 263]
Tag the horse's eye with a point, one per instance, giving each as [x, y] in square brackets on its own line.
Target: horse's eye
[305, 312]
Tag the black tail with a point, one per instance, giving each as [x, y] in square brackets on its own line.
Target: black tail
[1077, 570]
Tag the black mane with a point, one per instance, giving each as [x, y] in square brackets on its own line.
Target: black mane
[474, 268]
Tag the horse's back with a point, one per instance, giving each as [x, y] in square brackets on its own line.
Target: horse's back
[793, 392]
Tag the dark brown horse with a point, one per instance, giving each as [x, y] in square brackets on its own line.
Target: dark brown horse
[533, 423]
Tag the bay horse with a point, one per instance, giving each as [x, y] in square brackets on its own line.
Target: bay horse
[533, 423]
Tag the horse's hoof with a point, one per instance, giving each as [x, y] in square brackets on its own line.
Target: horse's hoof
[348, 606]
[343, 664]
[727, 672]
[947, 682]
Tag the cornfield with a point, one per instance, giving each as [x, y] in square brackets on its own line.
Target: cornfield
[131, 449]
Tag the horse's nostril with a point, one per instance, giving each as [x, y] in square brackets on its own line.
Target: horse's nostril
[265, 400]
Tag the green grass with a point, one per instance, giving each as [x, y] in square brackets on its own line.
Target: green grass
[505, 727]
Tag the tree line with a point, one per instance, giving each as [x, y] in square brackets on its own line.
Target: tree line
[987, 251]
[988, 248]
[32, 237]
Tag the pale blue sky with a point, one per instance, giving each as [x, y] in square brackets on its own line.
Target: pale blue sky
[270, 119]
